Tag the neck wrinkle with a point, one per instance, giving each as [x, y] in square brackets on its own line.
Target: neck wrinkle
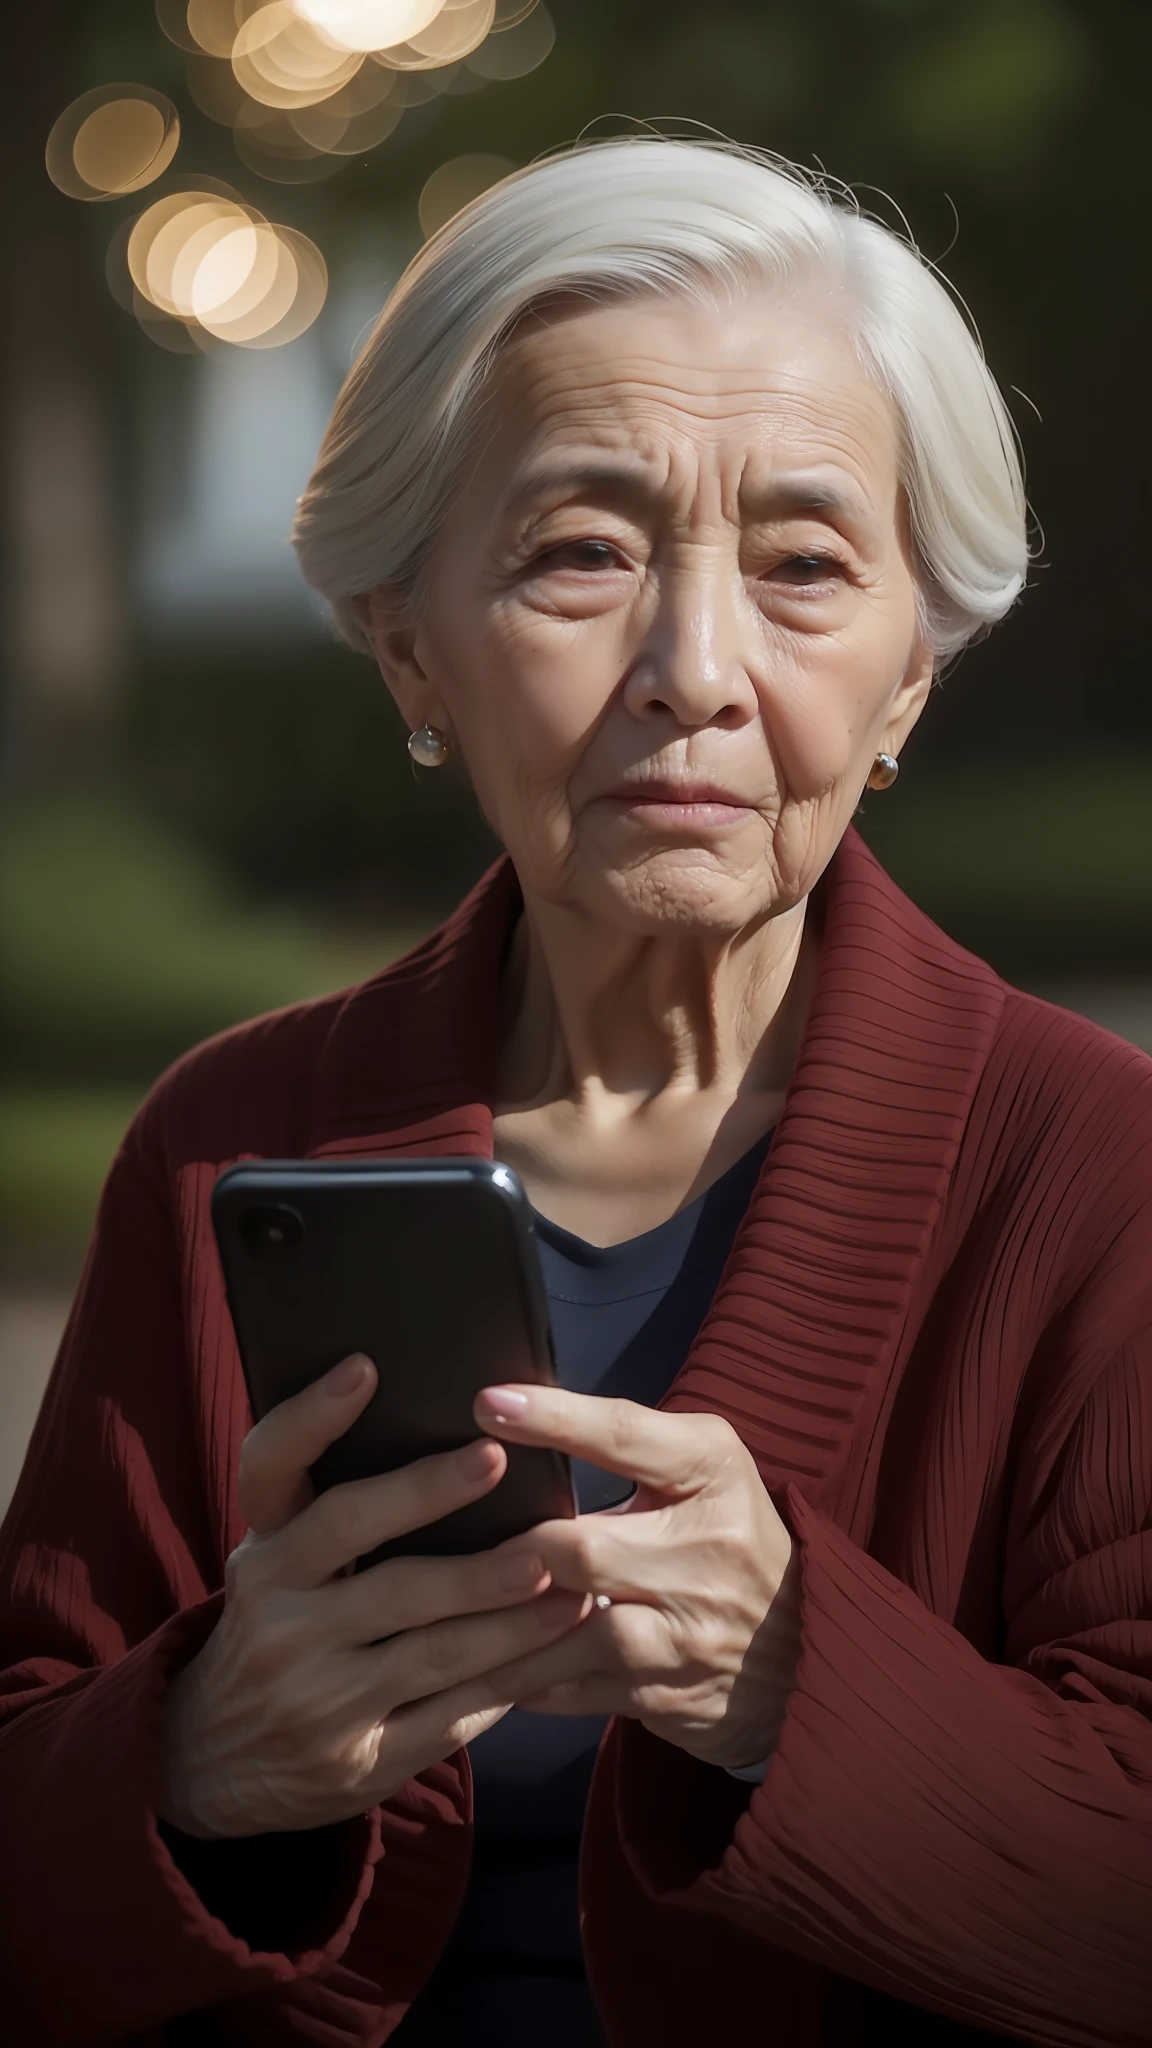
[590, 1014]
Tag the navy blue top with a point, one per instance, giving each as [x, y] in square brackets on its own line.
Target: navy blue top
[623, 1320]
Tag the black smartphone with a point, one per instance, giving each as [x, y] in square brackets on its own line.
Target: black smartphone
[429, 1266]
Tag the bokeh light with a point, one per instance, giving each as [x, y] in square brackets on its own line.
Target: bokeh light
[212, 24]
[172, 16]
[358, 117]
[510, 13]
[455, 183]
[283, 61]
[302, 86]
[298, 81]
[366, 25]
[516, 48]
[205, 261]
[455, 33]
[115, 139]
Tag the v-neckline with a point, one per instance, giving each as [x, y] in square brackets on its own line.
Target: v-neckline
[798, 1346]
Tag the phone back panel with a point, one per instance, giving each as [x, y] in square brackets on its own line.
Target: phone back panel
[430, 1268]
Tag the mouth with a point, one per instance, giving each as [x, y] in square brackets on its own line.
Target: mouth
[685, 803]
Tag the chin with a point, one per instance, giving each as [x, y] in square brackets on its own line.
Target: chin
[682, 894]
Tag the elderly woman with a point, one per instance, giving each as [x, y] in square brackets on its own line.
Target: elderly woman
[663, 486]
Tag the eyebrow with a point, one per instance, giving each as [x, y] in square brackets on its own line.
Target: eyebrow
[782, 497]
[603, 479]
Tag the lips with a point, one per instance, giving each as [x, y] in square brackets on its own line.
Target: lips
[686, 793]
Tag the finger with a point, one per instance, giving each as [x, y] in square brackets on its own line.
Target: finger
[615, 1557]
[410, 1592]
[426, 1661]
[273, 1482]
[349, 1521]
[582, 1653]
[629, 1647]
[597, 1694]
[675, 1454]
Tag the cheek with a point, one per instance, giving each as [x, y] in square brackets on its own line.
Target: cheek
[839, 689]
[819, 724]
[525, 696]
[536, 687]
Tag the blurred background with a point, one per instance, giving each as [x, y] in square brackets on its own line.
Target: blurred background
[207, 804]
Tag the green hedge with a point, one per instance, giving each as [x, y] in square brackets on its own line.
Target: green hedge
[123, 944]
[1045, 872]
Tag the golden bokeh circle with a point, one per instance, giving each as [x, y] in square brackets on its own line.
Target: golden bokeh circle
[242, 284]
[455, 184]
[281, 60]
[201, 270]
[159, 233]
[455, 32]
[213, 24]
[367, 25]
[307, 303]
[358, 117]
[112, 140]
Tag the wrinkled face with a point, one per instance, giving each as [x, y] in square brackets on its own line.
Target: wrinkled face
[671, 618]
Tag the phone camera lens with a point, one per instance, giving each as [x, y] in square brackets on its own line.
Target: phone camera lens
[274, 1233]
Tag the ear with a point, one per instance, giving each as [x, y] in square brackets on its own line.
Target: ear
[910, 696]
[393, 632]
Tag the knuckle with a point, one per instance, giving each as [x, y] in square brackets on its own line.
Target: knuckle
[342, 1520]
[715, 1437]
[443, 1649]
[730, 1548]
[625, 1424]
[243, 1571]
[715, 1446]
[587, 1550]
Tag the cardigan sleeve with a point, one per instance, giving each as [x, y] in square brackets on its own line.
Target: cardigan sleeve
[107, 1585]
[972, 1837]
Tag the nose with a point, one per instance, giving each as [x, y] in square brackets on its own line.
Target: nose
[695, 661]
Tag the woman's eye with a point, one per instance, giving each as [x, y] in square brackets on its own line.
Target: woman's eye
[808, 569]
[580, 554]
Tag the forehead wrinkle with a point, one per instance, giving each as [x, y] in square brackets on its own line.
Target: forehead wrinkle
[580, 419]
[778, 417]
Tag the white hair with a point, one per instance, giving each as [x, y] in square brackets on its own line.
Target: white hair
[636, 216]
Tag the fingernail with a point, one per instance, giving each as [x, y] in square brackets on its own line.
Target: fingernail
[475, 1460]
[347, 1376]
[518, 1573]
[505, 1404]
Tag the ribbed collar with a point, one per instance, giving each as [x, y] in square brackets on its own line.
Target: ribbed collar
[799, 1346]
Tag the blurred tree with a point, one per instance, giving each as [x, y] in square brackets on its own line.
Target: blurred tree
[64, 604]
[1010, 132]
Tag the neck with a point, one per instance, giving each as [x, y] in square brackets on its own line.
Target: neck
[614, 1023]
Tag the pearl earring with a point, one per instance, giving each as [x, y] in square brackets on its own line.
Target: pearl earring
[885, 769]
[429, 746]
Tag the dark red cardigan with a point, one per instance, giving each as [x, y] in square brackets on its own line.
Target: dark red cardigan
[934, 1333]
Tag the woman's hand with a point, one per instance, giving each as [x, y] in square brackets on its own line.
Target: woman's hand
[295, 1713]
[696, 1627]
